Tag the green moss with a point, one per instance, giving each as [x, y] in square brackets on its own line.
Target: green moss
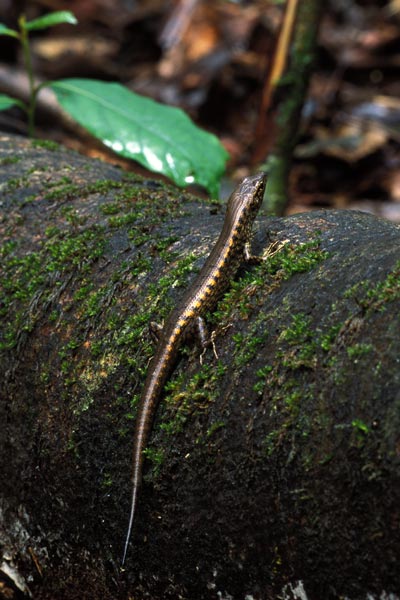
[262, 375]
[278, 266]
[375, 296]
[360, 433]
[132, 330]
[292, 401]
[96, 348]
[291, 259]
[302, 342]
[30, 198]
[64, 189]
[300, 347]
[137, 237]
[53, 316]
[46, 144]
[360, 426]
[187, 395]
[57, 182]
[175, 278]
[386, 291]
[327, 339]
[7, 248]
[247, 346]
[110, 208]
[51, 231]
[163, 246]
[24, 276]
[64, 192]
[299, 331]
[44, 376]
[67, 252]
[75, 218]
[107, 480]
[97, 304]
[141, 265]
[357, 350]
[270, 442]
[83, 292]
[215, 427]
[122, 220]
[16, 183]
[93, 301]
[103, 186]
[9, 160]
[156, 457]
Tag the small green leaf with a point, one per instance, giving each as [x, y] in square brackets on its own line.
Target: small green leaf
[8, 101]
[7, 31]
[161, 138]
[54, 18]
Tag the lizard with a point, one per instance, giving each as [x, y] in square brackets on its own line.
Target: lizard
[230, 250]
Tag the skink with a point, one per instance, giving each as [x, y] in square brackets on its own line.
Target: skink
[230, 250]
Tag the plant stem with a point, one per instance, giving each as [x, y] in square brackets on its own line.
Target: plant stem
[287, 113]
[24, 38]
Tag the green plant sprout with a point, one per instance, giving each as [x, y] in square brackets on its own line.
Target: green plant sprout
[49, 20]
[161, 138]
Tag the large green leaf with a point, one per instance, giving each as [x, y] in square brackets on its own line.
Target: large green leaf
[4, 30]
[161, 138]
[8, 101]
[54, 18]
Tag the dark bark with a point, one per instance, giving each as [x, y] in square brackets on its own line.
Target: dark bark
[276, 463]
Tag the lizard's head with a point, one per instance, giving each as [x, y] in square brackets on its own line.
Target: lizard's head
[247, 198]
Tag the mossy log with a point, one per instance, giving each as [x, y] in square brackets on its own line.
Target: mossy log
[274, 469]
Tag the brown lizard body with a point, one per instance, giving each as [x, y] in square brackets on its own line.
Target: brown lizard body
[230, 250]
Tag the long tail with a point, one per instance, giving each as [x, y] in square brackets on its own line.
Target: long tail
[131, 516]
[143, 425]
[141, 435]
[142, 431]
[148, 405]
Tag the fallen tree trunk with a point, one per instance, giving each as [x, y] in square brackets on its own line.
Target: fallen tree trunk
[273, 470]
